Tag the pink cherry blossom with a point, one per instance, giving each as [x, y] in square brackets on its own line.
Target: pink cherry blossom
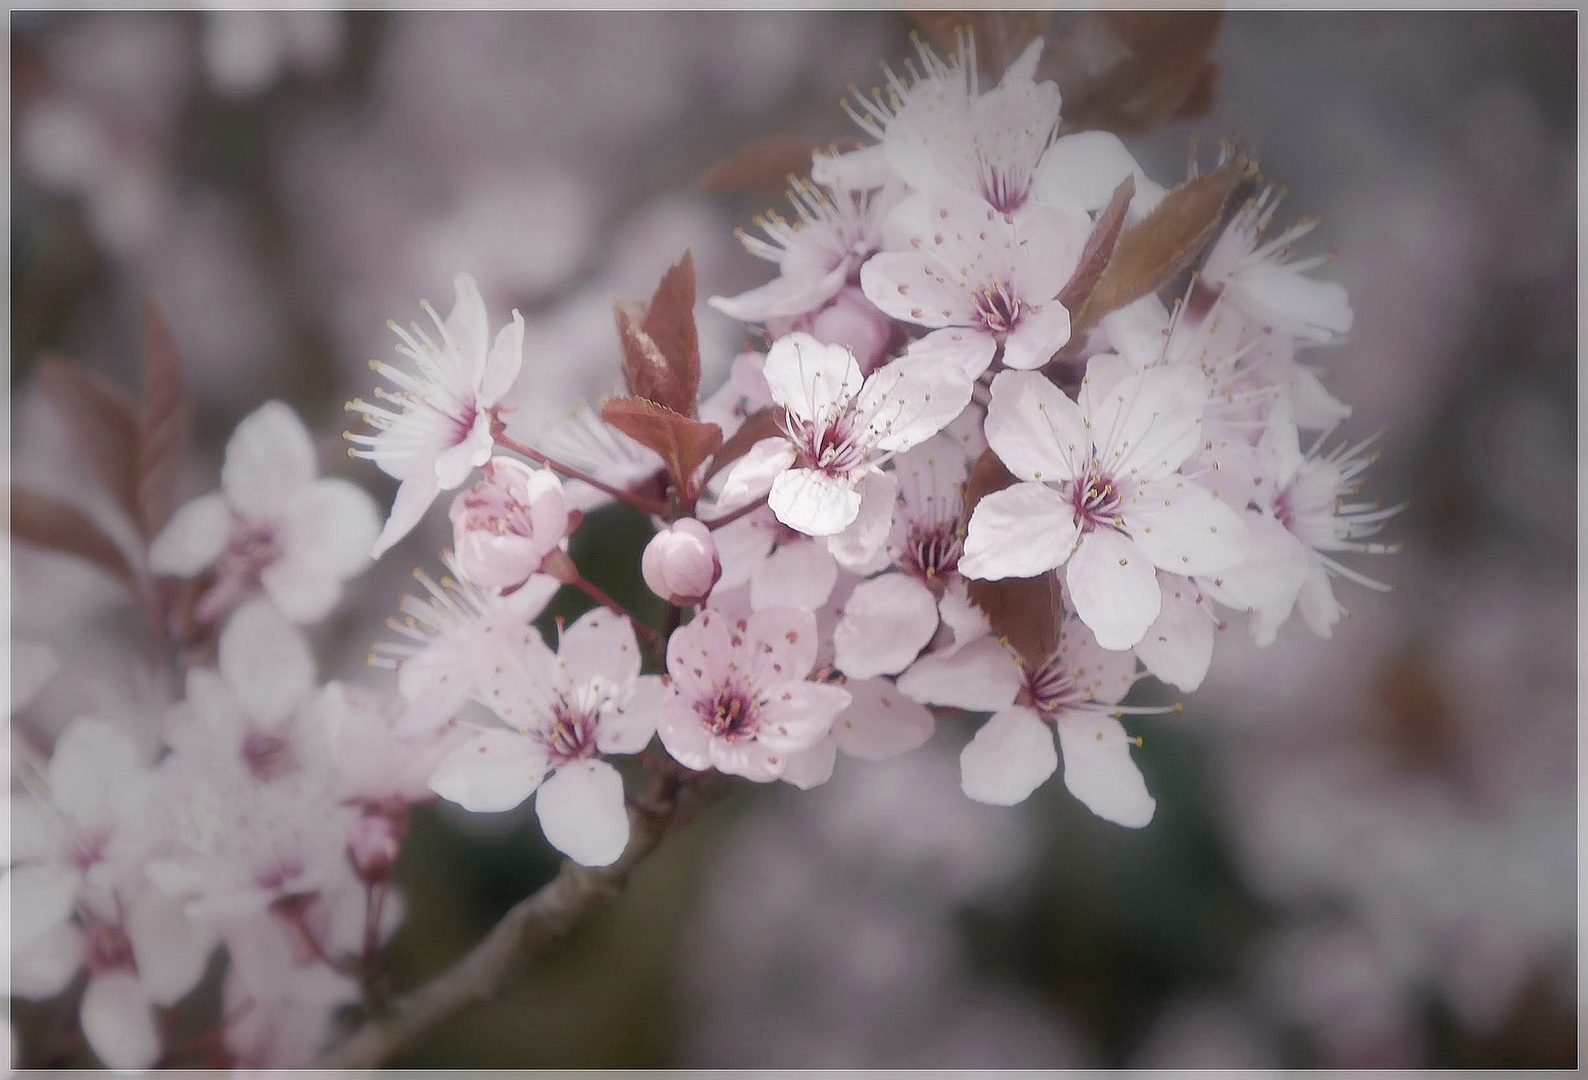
[275, 525]
[741, 699]
[439, 428]
[1100, 492]
[507, 523]
[564, 712]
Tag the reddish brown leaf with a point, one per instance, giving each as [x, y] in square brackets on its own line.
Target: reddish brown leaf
[1203, 95]
[1001, 36]
[757, 426]
[163, 426]
[645, 370]
[56, 526]
[1099, 247]
[670, 323]
[684, 444]
[104, 424]
[763, 165]
[1130, 71]
[1025, 611]
[1165, 242]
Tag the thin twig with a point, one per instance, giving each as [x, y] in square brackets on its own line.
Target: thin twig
[652, 640]
[743, 511]
[527, 930]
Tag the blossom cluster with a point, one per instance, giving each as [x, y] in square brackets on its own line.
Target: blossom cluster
[976, 464]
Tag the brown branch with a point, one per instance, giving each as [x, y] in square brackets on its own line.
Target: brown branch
[528, 929]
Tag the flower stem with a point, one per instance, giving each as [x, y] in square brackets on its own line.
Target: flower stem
[729, 519]
[507, 442]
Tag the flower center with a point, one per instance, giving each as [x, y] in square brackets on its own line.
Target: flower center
[571, 734]
[730, 713]
[1096, 499]
[829, 446]
[1006, 189]
[1053, 688]
[998, 307]
[107, 945]
[267, 755]
[933, 550]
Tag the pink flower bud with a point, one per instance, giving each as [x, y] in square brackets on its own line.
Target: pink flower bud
[504, 526]
[680, 563]
[372, 845]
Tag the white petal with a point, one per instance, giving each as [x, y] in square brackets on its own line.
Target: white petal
[268, 458]
[599, 645]
[911, 399]
[118, 1022]
[800, 573]
[881, 722]
[42, 898]
[1114, 588]
[968, 349]
[980, 677]
[1008, 759]
[193, 539]
[456, 462]
[1178, 646]
[304, 594]
[1319, 609]
[857, 170]
[915, 287]
[468, 327]
[857, 546]
[1020, 531]
[332, 524]
[1084, 169]
[1145, 426]
[1050, 240]
[743, 545]
[1099, 771]
[1183, 528]
[752, 475]
[1036, 431]
[170, 951]
[41, 967]
[813, 503]
[887, 621]
[266, 661]
[492, 772]
[414, 497]
[89, 758]
[787, 296]
[782, 644]
[809, 378]
[581, 812]
[1037, 337]
[800, 715]
[811, 767]
[682, 734]
[1267, 582]
[627, 727]
[502, 366]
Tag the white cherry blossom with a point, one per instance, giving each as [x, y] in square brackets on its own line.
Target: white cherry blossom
[275, 525]
[438, 426]
[1100, 493]
[564, 711]
[741, 699]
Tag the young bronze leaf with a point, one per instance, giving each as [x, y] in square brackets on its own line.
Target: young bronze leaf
[1023, 610]
[645, 369]
[1099, 247]
[670, 323]
[56, 526]
[1001, 36]
[757, 426]
[1165, 242]
[104, 424]
[763, 165]
[684, 444]
[163, 425]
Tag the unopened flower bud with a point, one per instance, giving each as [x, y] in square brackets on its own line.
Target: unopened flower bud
[505, 525]
[372, 846]
[680, 563]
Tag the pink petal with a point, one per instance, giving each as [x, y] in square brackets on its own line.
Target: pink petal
[811, 767]
[887, 621]
[1039, 334]
[414, 497]
[781, 644]
[1114, 588]
[1035, 429]
[503, 364]
[170, 951]
[808, 378]
[268, 458]
[600, 645]
[917, 287]
[813, 503]
[1020, 531]
[1178, 646]
[266, 661]
[857, 547]
[881, 722]
[494, 771]
[581, 812]
[1008, 759]
[800, 573]
[193, 538]
[1182, 527]
[626, 727]
[980, 677]
[118, 1022]
[1099, 771]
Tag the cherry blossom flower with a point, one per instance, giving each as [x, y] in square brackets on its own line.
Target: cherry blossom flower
[680, 563]
[783, 567]
[1076, 693]
[1271, 290]
[452, 637]
[839, 427]
[506, 524]
[439, 426]
[817, 254]
[996, 276]
[565, 711]
[1101, 493]
[275, 525]
[741, 700]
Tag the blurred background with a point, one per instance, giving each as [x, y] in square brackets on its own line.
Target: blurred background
[1364, 850]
